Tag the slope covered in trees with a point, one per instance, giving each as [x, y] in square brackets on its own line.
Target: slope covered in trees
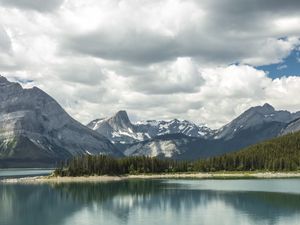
[279, 154]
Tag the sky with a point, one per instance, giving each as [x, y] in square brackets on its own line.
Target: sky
[206, 61]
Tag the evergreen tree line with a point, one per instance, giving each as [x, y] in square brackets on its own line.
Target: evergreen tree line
[107, 165]
[279, 154]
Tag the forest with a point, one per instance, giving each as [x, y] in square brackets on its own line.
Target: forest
[278, 154]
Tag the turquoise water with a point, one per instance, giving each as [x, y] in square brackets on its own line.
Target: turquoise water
[15, 173]
[163, 202]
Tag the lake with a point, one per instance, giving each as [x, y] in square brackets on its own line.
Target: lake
[16, 173]
[162, 202]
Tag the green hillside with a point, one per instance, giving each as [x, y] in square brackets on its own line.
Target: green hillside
[278, 154]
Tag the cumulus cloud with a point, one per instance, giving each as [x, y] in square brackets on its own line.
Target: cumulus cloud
[83, 71]
[5, 50]
[157, 59]
[228, 91]
[133, 31]
[182, 75]
[38, 5]
[234, 82]
[224, 93]
[5, 44]
[210, 31]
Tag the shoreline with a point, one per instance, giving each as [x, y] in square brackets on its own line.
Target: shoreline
[104, 178]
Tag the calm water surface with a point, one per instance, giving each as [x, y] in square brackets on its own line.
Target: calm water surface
[15, 173]
[163, 202]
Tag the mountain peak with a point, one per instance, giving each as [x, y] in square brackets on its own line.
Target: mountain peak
[264, 109]
[3, 80]
[121, 114]
[268, 107]
[120, 120]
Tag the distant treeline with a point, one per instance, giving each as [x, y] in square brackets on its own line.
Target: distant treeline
[107, 165]
[279, 154]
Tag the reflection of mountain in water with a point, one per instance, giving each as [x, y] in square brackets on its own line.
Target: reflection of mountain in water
[54, 204]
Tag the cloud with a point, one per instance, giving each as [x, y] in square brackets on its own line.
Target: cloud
[157, 59]
[86, 72]
[213, 33]
[283, 92]
[234, 82]
[180, 76]
[281, 67]
[5, 43]
[230, 90]
[131, 31]
[271, 51]
[38, 5]
[223, 93]
[5, 50]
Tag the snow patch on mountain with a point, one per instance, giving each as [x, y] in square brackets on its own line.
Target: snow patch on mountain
[119, 128]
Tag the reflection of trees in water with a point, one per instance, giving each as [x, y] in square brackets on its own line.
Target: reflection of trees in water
[152, 194]
[263, 205]
[33, 204]
[52, 204]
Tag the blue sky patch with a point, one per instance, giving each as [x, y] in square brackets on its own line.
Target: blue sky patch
[289, 67]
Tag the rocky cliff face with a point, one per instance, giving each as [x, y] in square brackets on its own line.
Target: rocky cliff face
[119, 128]
[164, 146]
[34, 129]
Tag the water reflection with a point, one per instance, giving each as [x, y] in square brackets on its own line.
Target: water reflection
[17, 173]
[144, 202]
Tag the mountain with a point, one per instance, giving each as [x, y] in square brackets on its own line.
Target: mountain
[253, 126]
[120, 130]
[36, 131]
[165, 146]
[155, 128]
[177, 146]
[254, 117]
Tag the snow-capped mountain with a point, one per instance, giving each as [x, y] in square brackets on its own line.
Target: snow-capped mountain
[153, 128]
[35, 130]
[254, 125]
[119, 129]
[255, 117]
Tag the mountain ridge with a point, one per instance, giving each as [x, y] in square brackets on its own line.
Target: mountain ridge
[49, 134]
[35, 129]
[253, 117]
[119, 129]
[256, 124]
